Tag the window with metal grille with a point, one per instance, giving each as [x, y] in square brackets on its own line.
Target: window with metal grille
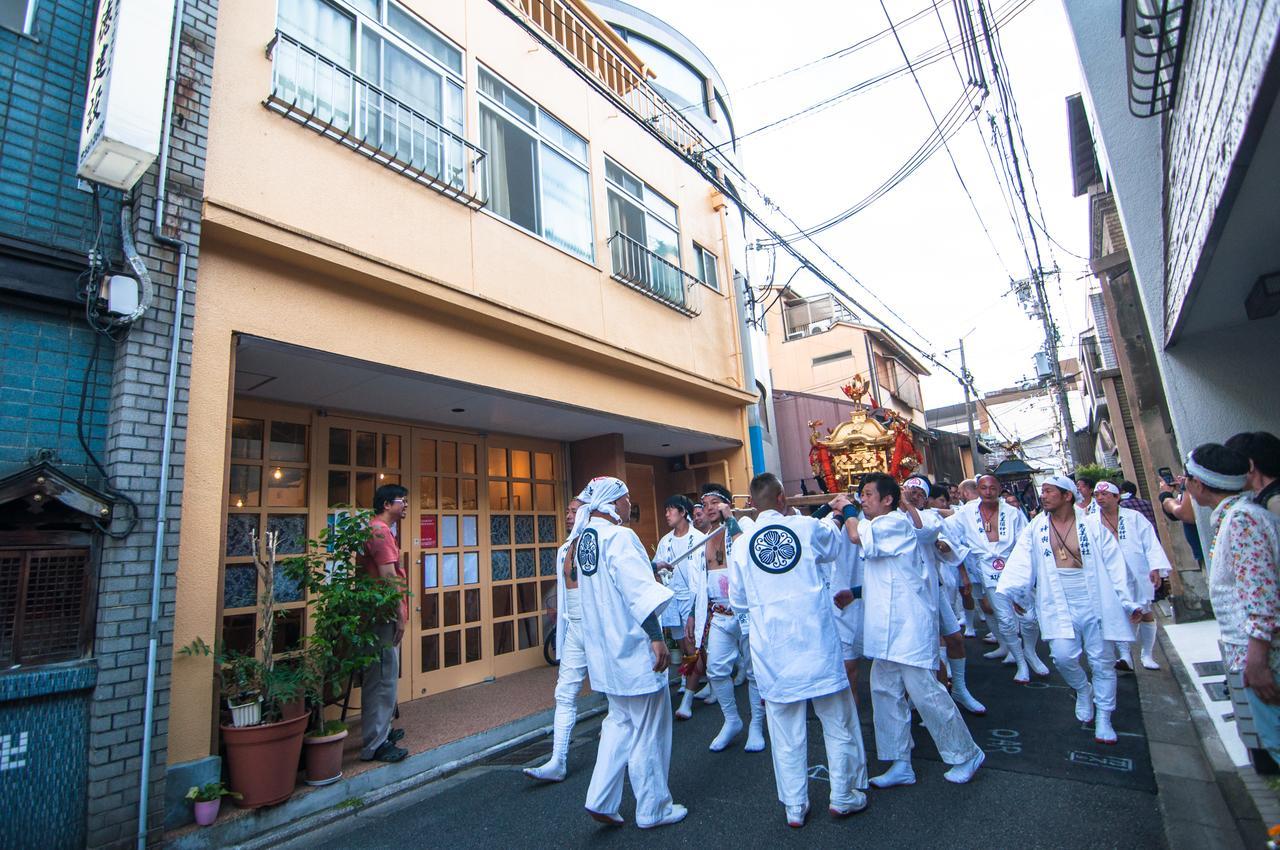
[44, 607]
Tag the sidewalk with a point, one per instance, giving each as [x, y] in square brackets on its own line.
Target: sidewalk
[1210, 796]
[443, 734]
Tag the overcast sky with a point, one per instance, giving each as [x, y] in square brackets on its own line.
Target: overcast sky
[920, 248]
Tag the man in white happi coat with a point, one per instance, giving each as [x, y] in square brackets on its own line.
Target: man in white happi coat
[673, 568]
[900, 634]
[991, 527]
[1147, 563]
[941, 559]
[626, 657]
[573, 661]
[781, 576]
[719, 627]
[846, 600]
[1071, 570]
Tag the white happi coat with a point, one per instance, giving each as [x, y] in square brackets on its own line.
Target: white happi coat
[780, 572]
[991, 555]
[1030, 578]
[1142, 553]
[617, 591]
[669, 548]
[899, 589]
[562, 600]
[949, 563]
[846, 574]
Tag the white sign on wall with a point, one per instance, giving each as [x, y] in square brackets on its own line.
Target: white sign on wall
[124, 104]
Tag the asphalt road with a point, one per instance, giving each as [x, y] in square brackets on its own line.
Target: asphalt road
[1045, 784]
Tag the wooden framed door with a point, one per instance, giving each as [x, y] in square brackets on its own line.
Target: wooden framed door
[356, 457]
[449, 558]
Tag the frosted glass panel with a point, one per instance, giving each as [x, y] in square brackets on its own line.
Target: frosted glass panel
[448, 531]
[470, 567]
[449, 570]
[470, 533]
[429, 571]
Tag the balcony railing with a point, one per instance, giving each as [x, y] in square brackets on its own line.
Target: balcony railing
[336, 103]
[577, 37]
[646, 272]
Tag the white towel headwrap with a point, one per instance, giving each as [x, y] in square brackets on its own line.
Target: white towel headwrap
[1062, 482]
[599, 495]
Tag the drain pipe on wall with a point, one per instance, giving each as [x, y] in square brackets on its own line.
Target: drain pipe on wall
[162, 500]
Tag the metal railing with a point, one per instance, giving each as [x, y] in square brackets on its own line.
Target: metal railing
[648, 273]
[579, 39]
[319, 94]
[1154, 32]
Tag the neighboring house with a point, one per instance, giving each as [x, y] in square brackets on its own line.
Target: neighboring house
[463, 246]
[83, 422]
[1181, 109]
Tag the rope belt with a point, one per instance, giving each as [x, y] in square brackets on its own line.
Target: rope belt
[717, 608]
[698, 660]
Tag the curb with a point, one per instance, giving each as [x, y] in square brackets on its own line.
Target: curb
[1225, 798]
[333, 803]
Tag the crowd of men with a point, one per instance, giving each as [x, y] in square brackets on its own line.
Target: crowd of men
[898, 574]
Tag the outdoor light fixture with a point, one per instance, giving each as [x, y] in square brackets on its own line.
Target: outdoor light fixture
[1263, 301]
[278, 474]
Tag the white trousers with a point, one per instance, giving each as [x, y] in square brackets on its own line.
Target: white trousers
[573, 669]
[635, 739]
[789, 740]
[891, 684]
[726, 646]
[1008, 621]
[1101, 654]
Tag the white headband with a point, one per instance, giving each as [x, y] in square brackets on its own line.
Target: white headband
[917, 483]
[1106, 487]
[1062, 482]
[1216, 480]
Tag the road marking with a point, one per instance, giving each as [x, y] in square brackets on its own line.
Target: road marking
[819, 772]
[1093, 759]
[1003, 741]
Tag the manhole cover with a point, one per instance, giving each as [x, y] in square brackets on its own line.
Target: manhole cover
[1217, 691]
[521, 755]
[1209, 668]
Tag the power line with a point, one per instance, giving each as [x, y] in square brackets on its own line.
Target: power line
[945, 146]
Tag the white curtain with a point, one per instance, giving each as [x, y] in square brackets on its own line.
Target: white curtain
[495, 164]
[566, 204]
[318, 88]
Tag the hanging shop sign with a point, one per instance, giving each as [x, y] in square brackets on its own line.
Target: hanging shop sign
[124, 102]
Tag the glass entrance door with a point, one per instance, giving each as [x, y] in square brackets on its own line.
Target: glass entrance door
[448, 550]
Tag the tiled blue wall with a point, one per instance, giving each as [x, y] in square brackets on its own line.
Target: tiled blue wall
[43, 360]
[42, 85]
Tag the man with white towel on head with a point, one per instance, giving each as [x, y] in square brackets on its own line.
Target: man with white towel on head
[900, 634]
[780, 573]
[1072, 571]
[1147, 563]
[627, 657]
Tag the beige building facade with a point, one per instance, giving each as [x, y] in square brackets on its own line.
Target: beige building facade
[442, 247]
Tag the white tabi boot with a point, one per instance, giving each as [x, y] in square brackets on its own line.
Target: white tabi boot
[1102, 731]
[732, 720]
[1147, 639]
[685, 711]
[960, 690]
[1001, 651]
[970, 623]
[1084, 704]
[1030, 635]
[1022, 675]
[1124, 656]
[899, 774]
[555, 768]
[741, 677]
[797, 815]
[707, 694]
[755, 734]
[963, 772]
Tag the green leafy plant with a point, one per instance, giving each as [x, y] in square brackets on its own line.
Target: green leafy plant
[1093, 473]
[209, 792]
[345, 602]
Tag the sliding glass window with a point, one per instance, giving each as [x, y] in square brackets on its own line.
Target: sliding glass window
[649, 221]
[536, 173]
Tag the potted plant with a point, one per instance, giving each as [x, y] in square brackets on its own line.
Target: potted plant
[207, 800]
[262, 756]
[344, 600]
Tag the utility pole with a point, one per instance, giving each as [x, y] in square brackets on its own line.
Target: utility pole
[968, 410]
[1057, 384]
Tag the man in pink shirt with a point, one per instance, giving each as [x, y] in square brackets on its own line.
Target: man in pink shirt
[381, 557]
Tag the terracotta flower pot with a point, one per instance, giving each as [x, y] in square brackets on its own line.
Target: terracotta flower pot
[206, 811]
[262, 760]
[296, 708]
[324, 758]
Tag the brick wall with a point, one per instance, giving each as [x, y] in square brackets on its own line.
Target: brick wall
[42, 85]
[1227, 50]
[133, 450]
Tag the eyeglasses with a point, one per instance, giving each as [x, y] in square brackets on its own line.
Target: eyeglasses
[404, 502]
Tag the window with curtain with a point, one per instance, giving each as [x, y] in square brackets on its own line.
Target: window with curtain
[708, 273]
[536, 172]
[638, 212]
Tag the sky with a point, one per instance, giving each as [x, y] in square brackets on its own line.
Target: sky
[920, 248]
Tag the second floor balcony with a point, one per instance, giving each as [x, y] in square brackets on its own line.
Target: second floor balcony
[321, 94]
